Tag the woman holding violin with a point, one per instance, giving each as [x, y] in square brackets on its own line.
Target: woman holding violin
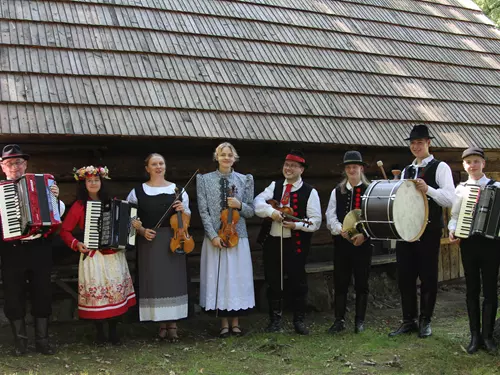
[162, 272]
[225, 200]
[294, 212]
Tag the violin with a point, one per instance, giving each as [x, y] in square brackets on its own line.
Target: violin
[287, 212]
[229, 217]
[181, 242]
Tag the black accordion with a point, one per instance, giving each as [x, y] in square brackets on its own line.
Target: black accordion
[487, 213]
[109, 225]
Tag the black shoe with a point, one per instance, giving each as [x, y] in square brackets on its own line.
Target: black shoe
[236, 331]
[407, 326]
[274, 316]
[42, 344]
[359, 326]
[300, 327]
[114, 337]
[337, 327]
[224, 333]
[490, 346]
[475, 343]
[424, 329]
[20, 337]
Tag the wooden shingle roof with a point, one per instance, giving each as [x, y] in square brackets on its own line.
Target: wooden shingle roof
[328, 71]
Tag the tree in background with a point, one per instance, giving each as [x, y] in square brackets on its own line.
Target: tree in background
[491, 8]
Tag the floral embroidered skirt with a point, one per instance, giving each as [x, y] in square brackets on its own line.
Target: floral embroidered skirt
[105, 288]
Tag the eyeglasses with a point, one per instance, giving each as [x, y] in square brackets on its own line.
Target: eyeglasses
[13, 164]
[291, 166]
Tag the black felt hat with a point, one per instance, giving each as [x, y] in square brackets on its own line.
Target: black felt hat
[13, 151]
[473, 151]
[353, 157]
[419, 132]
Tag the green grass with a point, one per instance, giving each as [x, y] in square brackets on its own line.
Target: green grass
[259, 353]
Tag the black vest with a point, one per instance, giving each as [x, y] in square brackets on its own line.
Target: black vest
[298, 201]
[428, 174]
[152, 207]
[349, 200]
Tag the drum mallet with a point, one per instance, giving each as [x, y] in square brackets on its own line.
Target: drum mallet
[380, 164]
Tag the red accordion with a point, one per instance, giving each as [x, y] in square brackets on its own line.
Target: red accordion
[28, 207]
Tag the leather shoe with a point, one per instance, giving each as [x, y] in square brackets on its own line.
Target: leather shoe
[337, 327]
[300, 328]
[407, 326]
[359, 326]
[475, 343]
[425, 329]
[490, 346]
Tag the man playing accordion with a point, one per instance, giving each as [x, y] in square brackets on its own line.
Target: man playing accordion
[27, 258]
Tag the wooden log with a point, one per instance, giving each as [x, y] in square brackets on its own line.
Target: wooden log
[445, 253]
[454, 261]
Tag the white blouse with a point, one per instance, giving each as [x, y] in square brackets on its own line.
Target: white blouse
[156, 190]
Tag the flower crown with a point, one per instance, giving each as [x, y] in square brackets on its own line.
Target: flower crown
[84, 172]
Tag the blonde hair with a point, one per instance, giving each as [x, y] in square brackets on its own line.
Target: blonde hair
[220, 147]
[343, 183]
[150, 156]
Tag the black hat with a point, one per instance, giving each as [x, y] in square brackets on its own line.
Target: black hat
[353, 157]
[297, 156]
[13, 151]
[473, 151]
[418, 132]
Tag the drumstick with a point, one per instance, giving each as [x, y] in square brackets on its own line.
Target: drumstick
[380, 164]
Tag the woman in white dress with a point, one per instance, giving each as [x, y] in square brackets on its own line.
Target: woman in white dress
[162, 274]
[226, 273]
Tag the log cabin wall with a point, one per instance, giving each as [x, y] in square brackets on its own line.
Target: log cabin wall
[124, 157]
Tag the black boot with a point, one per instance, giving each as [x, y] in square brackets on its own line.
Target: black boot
[337, 327]
[20, 336]
[489, 313]
[427, 303]
[408, 326]
[114, 337]
[100, 337]
[424, 327]
[361, 304]
[474, 325]
[299, 314]
[42, 344]
[274, 316]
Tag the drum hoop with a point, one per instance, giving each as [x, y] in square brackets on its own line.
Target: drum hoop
[367, 193]
[426, 213]
[390, 203]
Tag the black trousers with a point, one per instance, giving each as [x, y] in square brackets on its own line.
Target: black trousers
[22, 261]
[419, 259]
[481, 259]
[293, 266]
[349, 260]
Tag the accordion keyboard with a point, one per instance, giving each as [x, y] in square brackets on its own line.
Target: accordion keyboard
[466, 214]
[92, 217]
[10, 211]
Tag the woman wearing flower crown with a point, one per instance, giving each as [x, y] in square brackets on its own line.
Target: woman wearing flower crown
[162, 274]
[105, 289]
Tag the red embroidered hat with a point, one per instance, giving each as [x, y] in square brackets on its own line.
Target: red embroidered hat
[297, 156]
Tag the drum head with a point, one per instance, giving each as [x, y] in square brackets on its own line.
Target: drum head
[410, 211]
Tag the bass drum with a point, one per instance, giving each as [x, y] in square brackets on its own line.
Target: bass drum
[395, 210]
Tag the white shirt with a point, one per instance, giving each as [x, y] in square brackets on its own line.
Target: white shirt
[445, 194]
[313, 210]
[459, 191]
[156, 190]
[332, 221]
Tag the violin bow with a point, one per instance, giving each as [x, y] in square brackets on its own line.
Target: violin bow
[176, 197]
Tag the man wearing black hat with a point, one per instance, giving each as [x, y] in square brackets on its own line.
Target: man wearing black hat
[352, 255]
[296, 236]
[420, 259]
[27, 258]
[480, 258]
